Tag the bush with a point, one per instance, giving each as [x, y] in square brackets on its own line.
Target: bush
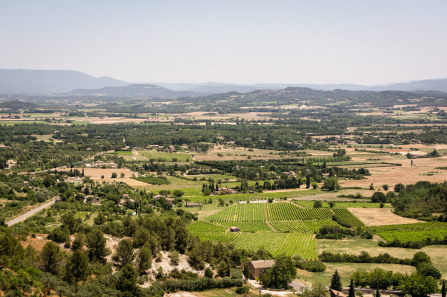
[242, 290]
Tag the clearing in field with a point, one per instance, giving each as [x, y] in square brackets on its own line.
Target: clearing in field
[380, 216]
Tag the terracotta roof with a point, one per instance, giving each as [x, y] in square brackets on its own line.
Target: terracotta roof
[337, 293]
[263, 263]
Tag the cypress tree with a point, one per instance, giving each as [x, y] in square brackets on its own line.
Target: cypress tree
[377, 293]
[351, 289]
[443, 290]
[336, 282]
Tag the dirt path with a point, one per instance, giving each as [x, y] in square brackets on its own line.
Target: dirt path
[30, 213]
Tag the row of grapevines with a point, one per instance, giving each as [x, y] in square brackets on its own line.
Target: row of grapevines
[346, 216]
[305, 226]
[289, 211]
[80, 214]
[243, 212]
[201, 226]
[248, 226]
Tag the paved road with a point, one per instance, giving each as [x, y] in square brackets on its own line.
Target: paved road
[31, 212]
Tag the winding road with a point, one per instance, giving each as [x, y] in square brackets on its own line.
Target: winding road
[32, 212]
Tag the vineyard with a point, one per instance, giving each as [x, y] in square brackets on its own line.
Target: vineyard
[289, 212]
[279, 227]
[291, 244]
[248, 226]
[243, 212]
[81, 215]
[412, 232]
[306, 226]
[346, 217]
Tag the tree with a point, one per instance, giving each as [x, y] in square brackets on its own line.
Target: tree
[418, 285]
[377, 293]
[100, 219]
[351, 289]
[124, 252]
[427, 269]
[223, 269]
[70, 222]
[114, 175]
[209, 273]
[281, 274]
[420, 257]
[79, 242]
[385, 187]
[140, 237]
[144, 259]
[175, 258]
[331, 184]
[318, 204]
[443, 290]
[399, 187]
[378, 197]
[336, 282]
[96, 242]
[318, 290]
[77, 267]
[127, 280]
[178, 193]
[51, 257]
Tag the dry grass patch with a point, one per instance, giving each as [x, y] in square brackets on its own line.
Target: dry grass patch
[36, 242]
[380, 217]
[97, 173]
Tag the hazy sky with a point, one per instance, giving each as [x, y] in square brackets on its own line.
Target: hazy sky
[240, 41]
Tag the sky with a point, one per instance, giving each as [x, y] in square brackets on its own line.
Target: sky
[234, 41]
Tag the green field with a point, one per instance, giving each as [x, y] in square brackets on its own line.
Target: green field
[412, 232]
[165, 156]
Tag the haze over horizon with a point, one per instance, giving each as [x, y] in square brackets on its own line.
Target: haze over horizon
[368, 42]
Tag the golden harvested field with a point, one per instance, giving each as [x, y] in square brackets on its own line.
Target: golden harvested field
[96, 173]
[380, 216]
[423, 169]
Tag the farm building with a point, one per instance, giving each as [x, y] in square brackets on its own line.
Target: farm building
[11, 163]
[193, 204]
[234, 229]
[259, 267]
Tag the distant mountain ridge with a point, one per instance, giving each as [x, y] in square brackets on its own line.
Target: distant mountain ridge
[135, 90]
[21, 81]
